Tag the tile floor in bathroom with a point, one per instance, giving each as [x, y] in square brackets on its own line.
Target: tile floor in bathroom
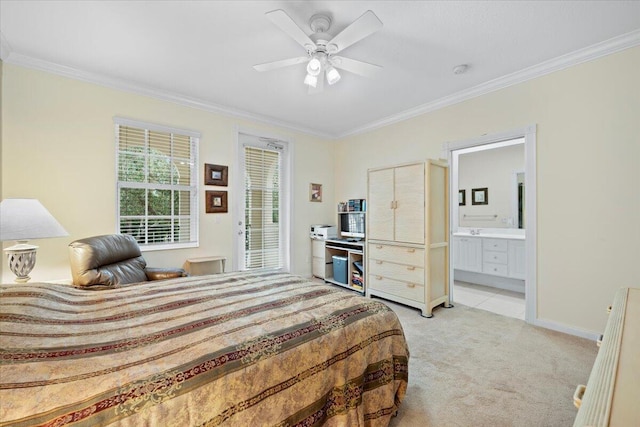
[499, 301]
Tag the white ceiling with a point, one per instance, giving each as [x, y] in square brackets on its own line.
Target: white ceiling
[201, 52]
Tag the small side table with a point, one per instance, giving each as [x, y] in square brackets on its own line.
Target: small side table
[205, 265]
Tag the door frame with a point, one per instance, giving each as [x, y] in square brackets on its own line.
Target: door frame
[529, 134]
[286, 199]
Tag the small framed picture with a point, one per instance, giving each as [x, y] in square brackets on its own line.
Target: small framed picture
[216, 201]
[480, 196]
[216, 175]
[462, 197]
[315, 192]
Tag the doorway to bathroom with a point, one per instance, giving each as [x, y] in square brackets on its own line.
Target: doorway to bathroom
[492, 217]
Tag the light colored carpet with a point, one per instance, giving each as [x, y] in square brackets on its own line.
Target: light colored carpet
[470, 367]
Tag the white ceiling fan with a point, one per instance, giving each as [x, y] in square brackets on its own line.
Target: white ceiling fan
[322, 61]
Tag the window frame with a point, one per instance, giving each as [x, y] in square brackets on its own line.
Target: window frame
[194, 188]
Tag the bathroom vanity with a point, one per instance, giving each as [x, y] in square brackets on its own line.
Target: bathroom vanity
[490, 258]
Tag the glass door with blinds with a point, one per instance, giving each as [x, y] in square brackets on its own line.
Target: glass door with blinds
[262, 215]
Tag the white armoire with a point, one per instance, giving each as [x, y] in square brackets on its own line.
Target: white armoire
[408, 234]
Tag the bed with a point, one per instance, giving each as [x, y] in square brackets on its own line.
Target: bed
[233, 349]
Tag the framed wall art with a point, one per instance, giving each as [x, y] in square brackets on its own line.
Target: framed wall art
[216, 175]
[480, 196]
[216, 201]
[315, 192]
[462, 197]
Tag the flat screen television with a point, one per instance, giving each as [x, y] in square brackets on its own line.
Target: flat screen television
[352, 224]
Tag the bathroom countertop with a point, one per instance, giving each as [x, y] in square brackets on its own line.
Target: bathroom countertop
[490, 235]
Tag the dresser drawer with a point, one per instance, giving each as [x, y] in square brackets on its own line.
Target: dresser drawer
[317, 248]
[398, 254]
[408, 290]
[495, 269]
[392, 270]
[495, 257]
[318, 267]
[499, 245]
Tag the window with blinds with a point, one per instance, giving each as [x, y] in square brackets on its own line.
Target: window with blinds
[157, 185]
[263, 246]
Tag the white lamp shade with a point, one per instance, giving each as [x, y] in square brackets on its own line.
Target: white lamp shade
[332, 75]
[311, 80]
[27, 219]
[314, 66]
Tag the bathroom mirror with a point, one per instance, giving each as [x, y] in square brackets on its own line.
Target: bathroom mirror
[498, 168]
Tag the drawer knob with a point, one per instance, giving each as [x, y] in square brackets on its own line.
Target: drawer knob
[411, 285]
[411, 268]
[378, 262]
[378, 277]
[495, 269]
[411, 250]
[378, 246]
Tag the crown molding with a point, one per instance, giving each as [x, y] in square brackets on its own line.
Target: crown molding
[121, 84]
[5, 49]
[589, 53]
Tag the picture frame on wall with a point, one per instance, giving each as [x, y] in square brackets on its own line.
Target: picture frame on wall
[462, 197]
[480, 196]
[315, 192]
[216, 201]
[216, 175]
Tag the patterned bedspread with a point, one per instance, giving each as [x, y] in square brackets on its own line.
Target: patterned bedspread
[234, 349]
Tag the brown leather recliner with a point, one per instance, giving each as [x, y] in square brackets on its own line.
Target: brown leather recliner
[112, 260]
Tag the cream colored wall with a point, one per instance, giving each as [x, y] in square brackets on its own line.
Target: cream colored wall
[588, 175]
[58, 147]
[1, 197]
[492, 169]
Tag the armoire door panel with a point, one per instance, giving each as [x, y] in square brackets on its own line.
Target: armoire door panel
[380, 214]
[409, 207]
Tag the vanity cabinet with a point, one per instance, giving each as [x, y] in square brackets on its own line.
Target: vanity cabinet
[517, 259]
[467, 253]
[408, 234]
[504, 257]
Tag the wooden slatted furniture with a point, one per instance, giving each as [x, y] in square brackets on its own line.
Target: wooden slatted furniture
[612, 394]
[408, 234]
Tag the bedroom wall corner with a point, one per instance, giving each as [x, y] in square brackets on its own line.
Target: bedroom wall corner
[588, 202]
[1, 139]
[58, 146]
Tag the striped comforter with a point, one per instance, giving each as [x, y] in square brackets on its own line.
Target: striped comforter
[234, 349]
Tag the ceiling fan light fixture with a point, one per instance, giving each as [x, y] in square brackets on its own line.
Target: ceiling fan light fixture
[314, 66]
[332, 75]
[311, 80]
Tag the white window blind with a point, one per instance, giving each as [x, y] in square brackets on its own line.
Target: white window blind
[157, 185]
[262, 209]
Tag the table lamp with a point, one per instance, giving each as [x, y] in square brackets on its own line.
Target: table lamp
[22, 220]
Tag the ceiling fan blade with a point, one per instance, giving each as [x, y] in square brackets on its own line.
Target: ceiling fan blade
[280, 64]
[362, 27]
[319, 86]
[354, 66]
[285, 23]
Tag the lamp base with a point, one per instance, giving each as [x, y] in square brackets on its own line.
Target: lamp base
[21, 259]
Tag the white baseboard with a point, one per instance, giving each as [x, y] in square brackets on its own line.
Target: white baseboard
[566, 329]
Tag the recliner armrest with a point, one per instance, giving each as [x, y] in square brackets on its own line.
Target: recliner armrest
[164, 273]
